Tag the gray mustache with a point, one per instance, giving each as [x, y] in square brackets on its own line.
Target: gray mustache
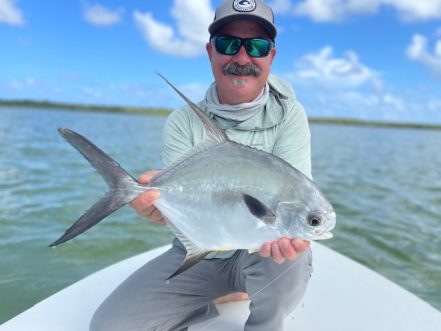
[234, 68]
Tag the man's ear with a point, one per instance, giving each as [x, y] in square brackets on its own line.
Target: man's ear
[209, 48]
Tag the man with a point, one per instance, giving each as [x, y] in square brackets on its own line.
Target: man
[254, 109]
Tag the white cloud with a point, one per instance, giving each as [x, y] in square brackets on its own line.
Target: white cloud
[102, 16]
[191, 17]
[135, 89]
[342, 86]
[335, 72]
[335, 10]
[15, 85]
[31, 82]
[419, 51]
[394, 102]
[194, 91]
[10, 14]
[361, 104]
[340, 10]
[434, 105]
[281, 6]
[92, 92]
[27, 82]
[416, 10]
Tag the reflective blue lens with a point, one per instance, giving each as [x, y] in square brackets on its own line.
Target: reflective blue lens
[255, 47]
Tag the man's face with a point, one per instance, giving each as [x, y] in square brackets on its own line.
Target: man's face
[233, 89]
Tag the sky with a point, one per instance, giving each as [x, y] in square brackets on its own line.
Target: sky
[362, 59]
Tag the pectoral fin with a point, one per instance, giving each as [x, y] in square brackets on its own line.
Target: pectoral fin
[258, 209]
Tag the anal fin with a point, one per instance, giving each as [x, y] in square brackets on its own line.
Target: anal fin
[189, 261]
[194, 253]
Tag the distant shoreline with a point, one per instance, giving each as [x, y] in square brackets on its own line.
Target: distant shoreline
[83, 107]
[385, 124]
[165, 111]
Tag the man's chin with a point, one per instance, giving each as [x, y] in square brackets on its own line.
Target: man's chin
[241, 81]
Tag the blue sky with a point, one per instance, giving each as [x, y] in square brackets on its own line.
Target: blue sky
[367, 59]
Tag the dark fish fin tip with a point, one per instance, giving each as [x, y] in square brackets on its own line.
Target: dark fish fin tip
[188, 263]
[213, 131]
[193, 253]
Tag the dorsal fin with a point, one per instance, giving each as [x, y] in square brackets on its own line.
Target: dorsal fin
[212, 130]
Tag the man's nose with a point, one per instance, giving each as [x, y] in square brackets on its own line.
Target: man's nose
[242, 56]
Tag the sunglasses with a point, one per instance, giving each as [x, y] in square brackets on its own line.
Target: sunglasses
[230, 45]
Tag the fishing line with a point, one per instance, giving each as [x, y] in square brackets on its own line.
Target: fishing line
[280, 275]
[262, 289]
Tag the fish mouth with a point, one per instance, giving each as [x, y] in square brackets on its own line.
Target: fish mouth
[323, 235]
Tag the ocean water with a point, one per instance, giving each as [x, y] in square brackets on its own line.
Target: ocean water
[385, 185]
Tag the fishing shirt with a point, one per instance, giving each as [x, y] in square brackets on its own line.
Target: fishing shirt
[281, 128]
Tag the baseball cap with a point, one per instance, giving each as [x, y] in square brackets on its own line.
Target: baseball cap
[253, 10]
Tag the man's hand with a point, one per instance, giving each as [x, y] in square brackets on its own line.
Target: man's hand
[143, 204]
[283, 249]
[236, 296]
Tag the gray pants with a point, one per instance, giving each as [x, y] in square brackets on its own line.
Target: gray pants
[146, 301]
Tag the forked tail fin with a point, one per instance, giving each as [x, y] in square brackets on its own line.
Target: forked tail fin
[123, 188]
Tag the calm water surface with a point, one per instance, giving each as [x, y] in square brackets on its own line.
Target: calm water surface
[384, 183]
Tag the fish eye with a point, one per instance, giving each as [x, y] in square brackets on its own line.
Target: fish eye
[314, 220]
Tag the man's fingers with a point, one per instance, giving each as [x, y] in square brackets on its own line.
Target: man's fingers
[156, 217]
[147, 176]
[143, 205]
[287, 249]
[144, 200]
[283, 249]
[150, 196]
[300, 245]
[265, 250]
[276, 254]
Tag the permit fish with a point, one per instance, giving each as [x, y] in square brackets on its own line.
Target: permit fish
[219, 196]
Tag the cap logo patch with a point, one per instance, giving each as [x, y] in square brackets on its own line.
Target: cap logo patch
[244, 5]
